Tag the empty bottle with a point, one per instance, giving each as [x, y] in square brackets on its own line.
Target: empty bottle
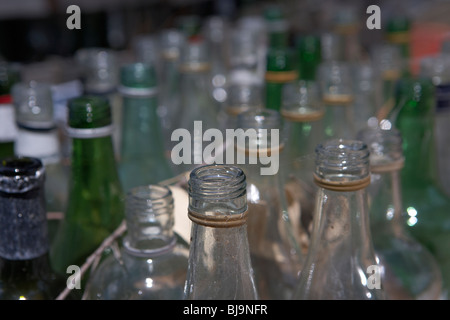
[341, 263]
[149, 265]
[219, 259]
[25, 270]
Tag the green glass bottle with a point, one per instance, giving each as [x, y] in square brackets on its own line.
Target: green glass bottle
[309, 56]
[142, 159]
[25, 271]
[277, 26]
[8, 129]
[280, 69]
[95, 206]
[426, 204]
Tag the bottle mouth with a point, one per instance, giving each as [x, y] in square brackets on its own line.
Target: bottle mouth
[342, 160]
[149, 200]
[21, 174]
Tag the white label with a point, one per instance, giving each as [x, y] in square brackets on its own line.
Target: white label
[8, 128]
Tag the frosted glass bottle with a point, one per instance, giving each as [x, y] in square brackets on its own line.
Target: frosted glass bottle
[219, 259]
[274, 247]
[151, 261]
[341, 263]
[410, 270]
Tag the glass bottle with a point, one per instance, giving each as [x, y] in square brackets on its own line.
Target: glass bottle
[9, 75]
[37, 136]
[197, 102]
[215, 30]
[171, 42]
[149, 265]
[142, 158]
[410, 271]
[95, 204]
[337, 93]
[425, 202]
[25, 271]
[274, 244]
[100, 77]
[303, 112]
[277, 26]
[219, 265]
[387, 58]
[281, 69]
[309, 55]
[341, 263]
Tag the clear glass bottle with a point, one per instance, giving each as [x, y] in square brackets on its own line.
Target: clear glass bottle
[9, 75]
[25, 270]
[388, 61]
[303, 112]
[171, 43]
[336, 87]
[219, 259]
[95, 204]
[423, 198]
[274, 245]
[151, 262]
[37, 137]
[197, 102]
[142, 159]
[215, 30]
[410, 270]
[341, 263]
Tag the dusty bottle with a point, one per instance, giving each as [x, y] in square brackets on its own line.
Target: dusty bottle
[341, 263]
[219, 259]
[25, 270]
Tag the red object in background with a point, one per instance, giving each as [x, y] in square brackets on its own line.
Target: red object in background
[5, 99]
[426, 40]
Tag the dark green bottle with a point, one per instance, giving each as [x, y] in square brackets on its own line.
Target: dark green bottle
[143, 159]
[280, 69]
[95, 206]
[309, 55]
[25, 271]
[9, 75]
[277, 26]
[427, 206]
